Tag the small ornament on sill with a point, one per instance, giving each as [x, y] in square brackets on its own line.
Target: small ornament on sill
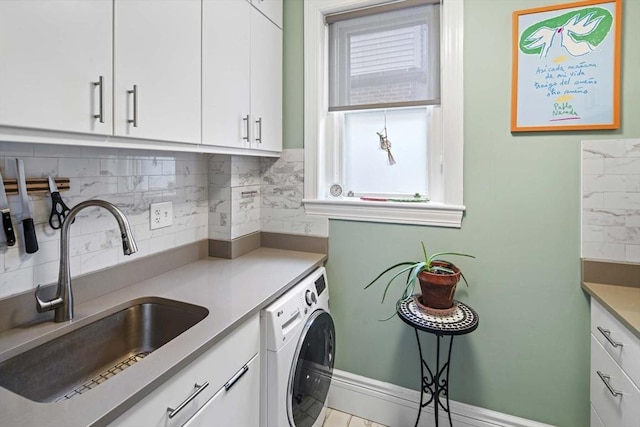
[335, 190]
[385, 143]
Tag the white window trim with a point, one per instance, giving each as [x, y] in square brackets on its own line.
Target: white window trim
[316, 155]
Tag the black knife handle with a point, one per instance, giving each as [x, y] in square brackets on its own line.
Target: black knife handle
[8, 228]
[30, 240]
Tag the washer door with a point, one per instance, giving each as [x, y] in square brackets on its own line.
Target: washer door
[312, 370]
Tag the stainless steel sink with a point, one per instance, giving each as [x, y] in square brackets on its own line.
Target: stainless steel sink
[80, 360]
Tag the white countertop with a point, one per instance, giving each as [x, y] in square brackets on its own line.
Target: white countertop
[232, 291]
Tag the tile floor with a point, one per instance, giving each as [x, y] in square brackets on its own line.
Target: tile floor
[335, 418]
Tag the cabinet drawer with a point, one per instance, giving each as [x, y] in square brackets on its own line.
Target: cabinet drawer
[237, 406]
[214, 367]
[615, 411]
[627, 355]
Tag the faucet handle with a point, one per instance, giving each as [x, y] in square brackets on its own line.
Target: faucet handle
[43, 306]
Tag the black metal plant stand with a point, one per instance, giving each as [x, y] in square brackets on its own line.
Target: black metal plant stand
[462, 320]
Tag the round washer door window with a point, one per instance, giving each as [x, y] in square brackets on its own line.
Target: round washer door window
[313, 367]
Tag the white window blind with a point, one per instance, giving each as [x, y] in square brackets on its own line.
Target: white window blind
[383, 60]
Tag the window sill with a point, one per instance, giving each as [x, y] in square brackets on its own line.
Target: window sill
[430, 213]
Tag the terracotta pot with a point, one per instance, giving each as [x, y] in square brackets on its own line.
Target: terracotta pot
[438, 289]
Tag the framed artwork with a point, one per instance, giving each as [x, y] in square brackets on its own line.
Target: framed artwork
[566, 67]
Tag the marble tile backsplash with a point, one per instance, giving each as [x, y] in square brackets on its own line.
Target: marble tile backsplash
[214, 196]
[249, 194]
[282, 193]
[131, 179]
[611, 200]
[234, 196]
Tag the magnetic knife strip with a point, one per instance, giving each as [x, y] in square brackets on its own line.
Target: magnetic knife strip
[35, 185]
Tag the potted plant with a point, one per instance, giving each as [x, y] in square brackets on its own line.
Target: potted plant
[438, 279]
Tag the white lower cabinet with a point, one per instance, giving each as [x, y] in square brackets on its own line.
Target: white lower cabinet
[236, 404]
[595, 419]
[617, 340]
[197, 394]
[615, 397]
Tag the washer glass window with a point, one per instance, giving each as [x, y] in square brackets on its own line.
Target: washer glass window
[311, 377]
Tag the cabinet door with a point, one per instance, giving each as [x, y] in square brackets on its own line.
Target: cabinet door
[51, 54]
[226, 49]
[157, 50]
[266, 83]
[239, 406]
[272, 9]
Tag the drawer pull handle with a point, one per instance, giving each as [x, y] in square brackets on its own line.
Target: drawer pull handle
[134, 93]
[259, 138]
[236, 377]
[246, 120]
[607, 335]
[199, 389]
[100, 84]
[605, 379]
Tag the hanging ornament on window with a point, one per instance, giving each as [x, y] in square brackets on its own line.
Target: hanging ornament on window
[385, 143]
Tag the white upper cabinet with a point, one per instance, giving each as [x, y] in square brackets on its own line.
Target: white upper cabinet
[183, 71]
[266, 83]
[52, 54]
[241, 77]
[226, 48]
[157, 69]
[272, 9]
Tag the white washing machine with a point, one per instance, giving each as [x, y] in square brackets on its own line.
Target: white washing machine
[298, 345]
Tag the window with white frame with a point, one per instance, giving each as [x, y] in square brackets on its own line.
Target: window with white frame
[381, 79]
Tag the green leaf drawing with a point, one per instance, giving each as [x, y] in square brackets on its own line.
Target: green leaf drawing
[587, 27]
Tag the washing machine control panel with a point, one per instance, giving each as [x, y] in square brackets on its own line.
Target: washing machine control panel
[320, 284]
[286, 317]
[310, 297]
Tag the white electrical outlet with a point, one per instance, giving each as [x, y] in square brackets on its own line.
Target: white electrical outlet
[161, 215]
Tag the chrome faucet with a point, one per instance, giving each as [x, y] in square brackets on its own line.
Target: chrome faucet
[63, 301]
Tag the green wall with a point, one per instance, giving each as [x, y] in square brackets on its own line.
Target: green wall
[293, 79]
[530, 355]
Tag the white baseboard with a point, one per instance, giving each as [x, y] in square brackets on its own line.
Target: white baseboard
[396, 406]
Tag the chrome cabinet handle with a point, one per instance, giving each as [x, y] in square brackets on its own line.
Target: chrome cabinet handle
[246, 120]
[199, 389]
[259, 138]
[605, 379]
[100, 114]
[134, 92]
[607, 335]
[234, 379]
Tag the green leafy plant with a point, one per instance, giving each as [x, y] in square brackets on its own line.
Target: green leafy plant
[431, 263]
